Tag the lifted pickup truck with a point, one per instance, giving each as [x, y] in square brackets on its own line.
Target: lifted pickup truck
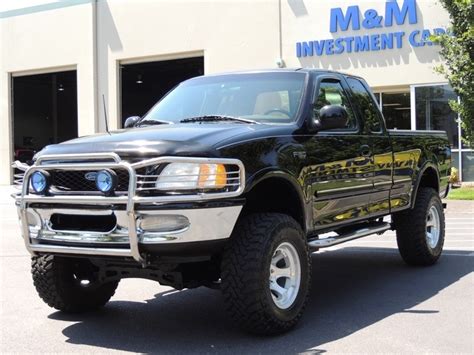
[231, 182]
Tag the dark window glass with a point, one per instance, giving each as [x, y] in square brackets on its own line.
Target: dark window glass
[464, 144]
[332, 93]
[433, 110]
[377, 97]
[368, 107]
[467, 166]
[396, 110]
[455, 160]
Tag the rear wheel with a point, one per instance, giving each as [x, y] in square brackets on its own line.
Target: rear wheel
[420, 231]
[70, 285]
[266, 273]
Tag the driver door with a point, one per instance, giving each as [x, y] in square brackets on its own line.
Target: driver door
[340, 166]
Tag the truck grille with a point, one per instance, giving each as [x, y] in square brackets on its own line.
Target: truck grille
[64, 179]
[75, 180]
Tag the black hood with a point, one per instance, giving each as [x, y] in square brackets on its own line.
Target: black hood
[199, 140]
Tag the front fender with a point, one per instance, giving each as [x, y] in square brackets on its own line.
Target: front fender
[274, 173]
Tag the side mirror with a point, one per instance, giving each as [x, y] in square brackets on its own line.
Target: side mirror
[131, 121]
[332, 117]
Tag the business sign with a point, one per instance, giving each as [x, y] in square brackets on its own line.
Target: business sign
[352, 18]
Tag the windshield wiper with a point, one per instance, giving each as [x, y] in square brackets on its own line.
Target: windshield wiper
[213, 118]
[153, 122]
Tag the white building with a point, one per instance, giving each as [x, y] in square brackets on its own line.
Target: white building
[59, 58]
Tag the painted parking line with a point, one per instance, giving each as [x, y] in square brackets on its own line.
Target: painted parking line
[375, 249]
[459, 233]
[448, 233]
[459, 230]
[446, 252]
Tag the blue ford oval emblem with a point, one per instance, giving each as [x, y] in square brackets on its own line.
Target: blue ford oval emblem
[91, 175]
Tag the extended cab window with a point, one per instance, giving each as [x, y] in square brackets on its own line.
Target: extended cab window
[331, 92]
[368, 108]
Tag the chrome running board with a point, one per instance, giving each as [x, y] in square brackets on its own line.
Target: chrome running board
[375, 228]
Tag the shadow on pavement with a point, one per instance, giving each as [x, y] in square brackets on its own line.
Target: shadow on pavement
[352, 288]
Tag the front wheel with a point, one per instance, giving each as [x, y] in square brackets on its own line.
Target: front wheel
[420, 231]
[266, 273]
[70, 285]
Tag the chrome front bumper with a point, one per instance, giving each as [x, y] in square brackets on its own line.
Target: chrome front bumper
[202, 224]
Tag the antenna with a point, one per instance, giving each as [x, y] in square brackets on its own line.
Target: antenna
[105, 115]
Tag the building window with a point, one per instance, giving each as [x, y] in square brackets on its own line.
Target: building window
[396, 109]
[433, 111]
[467, 166]
[377, 97]
[427, 107]
[455, 161]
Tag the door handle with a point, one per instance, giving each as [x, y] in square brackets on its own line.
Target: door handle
[365, 151]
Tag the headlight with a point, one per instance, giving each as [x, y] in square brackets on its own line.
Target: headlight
[106, 180]
[39, 181]
[188, 176]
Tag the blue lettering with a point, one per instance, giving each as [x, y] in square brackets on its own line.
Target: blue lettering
[338, 43]
[338, 19]
[298, 49]
[399, 38]
[372, 19]
[439, 31]
[349, 41]
[386, 40]
[412, 39]
[392, 10]
[329, 47]
[425, 37]
[307, 49]
[375, 42]
[362, 43]
[319, 47]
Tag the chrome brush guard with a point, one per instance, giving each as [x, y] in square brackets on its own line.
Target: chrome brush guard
[128, 201]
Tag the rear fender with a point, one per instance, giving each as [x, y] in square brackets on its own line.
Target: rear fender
[427, 167]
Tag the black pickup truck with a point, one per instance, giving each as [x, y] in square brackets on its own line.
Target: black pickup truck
[231, 181]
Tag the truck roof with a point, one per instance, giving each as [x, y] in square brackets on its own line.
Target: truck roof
[279, 70]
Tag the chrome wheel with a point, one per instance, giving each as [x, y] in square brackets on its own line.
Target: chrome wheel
[285, 275]
[432, 227]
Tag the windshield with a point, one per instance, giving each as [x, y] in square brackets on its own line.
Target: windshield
[262, 97]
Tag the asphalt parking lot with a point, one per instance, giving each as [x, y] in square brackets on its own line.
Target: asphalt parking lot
[364, 300]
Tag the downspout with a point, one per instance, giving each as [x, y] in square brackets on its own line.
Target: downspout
[280, 62]
[95, 53]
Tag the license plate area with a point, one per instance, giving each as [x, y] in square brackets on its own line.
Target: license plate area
[91, 223]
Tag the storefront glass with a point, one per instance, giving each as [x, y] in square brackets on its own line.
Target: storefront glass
[467, 166]
[455, 161]
[433, 111]
[396, 110]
